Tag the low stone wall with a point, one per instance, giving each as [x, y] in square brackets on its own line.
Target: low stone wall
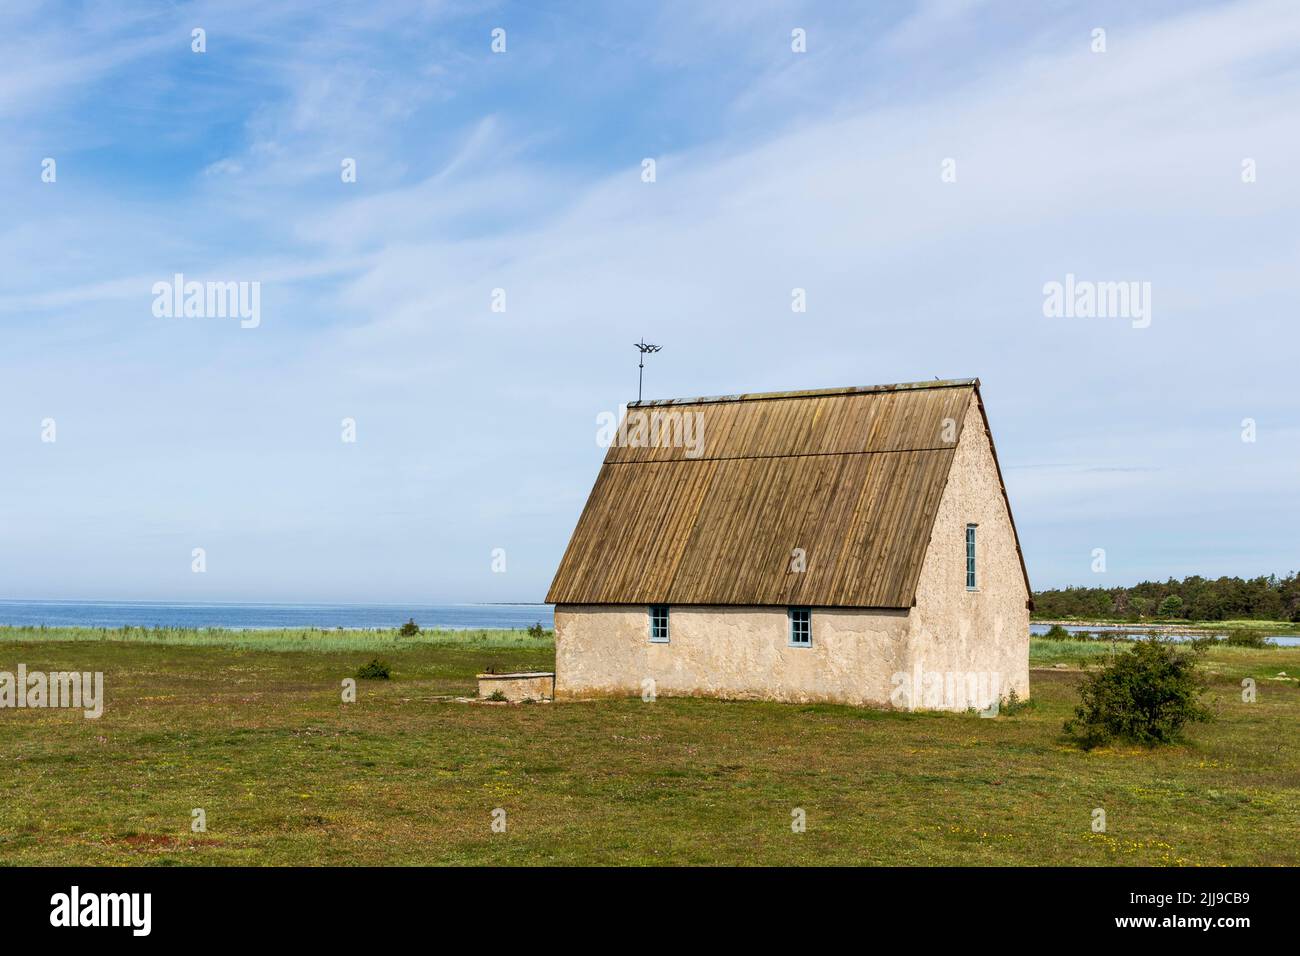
[539, 685]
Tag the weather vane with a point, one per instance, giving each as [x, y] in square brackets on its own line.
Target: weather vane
[645, 350]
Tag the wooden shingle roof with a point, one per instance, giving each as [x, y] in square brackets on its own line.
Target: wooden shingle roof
[853, 477]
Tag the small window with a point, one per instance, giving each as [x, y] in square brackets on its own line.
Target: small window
[800, 627]
[659, 623]
[970, 557]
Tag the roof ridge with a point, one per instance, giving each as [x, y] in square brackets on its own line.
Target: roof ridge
[802, 454]
[808, 393]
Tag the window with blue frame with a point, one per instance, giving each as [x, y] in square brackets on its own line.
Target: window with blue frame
[659, 623]
[970, 557]
[800, 627]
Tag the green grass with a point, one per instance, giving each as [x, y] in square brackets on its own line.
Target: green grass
[1044, 651]
[282, 639]
[288, 774]
[1217, 627]
[1088, 652]
[1291, 627]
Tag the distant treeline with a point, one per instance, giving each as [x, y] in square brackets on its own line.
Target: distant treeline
[1191, 599]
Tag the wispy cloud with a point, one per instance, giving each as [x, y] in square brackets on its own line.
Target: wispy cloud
[522, 173]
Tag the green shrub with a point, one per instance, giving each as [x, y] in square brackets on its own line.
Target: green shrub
[1232, 639]
[495, 695]
[1012, 704]
[409, 629]
[1058, 633]
[1144, 696]
[1247, 639]
[537, 631]
[376, 670]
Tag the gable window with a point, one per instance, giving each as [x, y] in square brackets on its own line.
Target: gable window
[800, 627]
[970, 558]
[659, 623]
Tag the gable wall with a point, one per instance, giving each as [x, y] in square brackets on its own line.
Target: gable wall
[953, 630]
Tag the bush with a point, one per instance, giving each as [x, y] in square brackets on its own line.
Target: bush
[1012, 704]
[409, 629]
[1145, 696]
[375, 670]
[1231, 639]
[1247, 639]
[1057, 633]
[537, 631]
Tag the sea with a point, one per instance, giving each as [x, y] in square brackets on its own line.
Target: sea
[237, 617]
[260, 616]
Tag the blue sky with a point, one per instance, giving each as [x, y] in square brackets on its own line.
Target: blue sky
[522, 171]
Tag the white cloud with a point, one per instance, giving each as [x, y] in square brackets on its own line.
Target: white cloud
[1119, 166]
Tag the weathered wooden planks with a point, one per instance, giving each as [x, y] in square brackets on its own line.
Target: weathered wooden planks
[853, 479]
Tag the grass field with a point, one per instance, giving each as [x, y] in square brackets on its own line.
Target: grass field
[280, 639]
[288, 774]
[1172, 624]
